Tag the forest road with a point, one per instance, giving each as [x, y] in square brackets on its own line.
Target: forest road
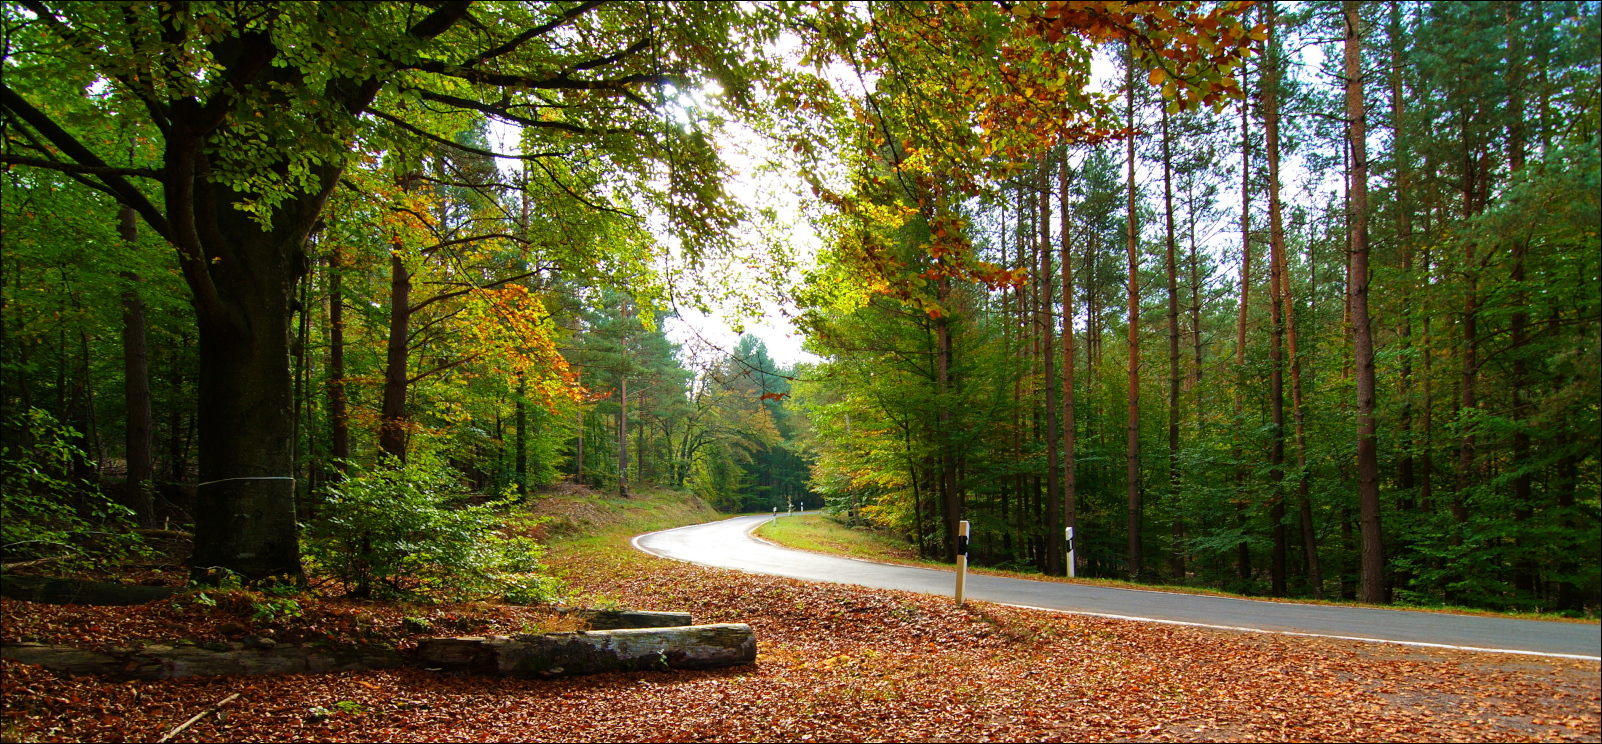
[729, 544]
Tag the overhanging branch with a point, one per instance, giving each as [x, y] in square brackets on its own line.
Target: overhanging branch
[75, 168]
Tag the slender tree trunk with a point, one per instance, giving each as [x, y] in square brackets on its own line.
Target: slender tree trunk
[1069, 474]
[578, 451]
[136, 386]
[521, 456]
[1276, 290]
[338, 418]
[1406, 474]
[948, 465]
[623, 437]
[392, 421]
[1525, 570]
[1176, 561]
[1132, 480]
[1243, 554]
[1372, 589]
[1054, 555]
[1195, 303]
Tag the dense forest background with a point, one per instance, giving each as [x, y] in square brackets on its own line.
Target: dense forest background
[1232, 330]
[1202, 359]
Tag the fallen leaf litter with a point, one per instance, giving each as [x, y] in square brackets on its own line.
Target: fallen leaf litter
[836, 663]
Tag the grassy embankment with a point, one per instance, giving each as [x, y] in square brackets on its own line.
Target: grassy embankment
[820, 533]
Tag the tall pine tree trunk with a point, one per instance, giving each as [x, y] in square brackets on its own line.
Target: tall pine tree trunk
[1525, 570]
[1176, 563]
[1406, 472]
[951, 502]
[623, 437]
[1048, 351]
[1372, 588]
[1276, 319]
[1132, 452]
[1069, 475]
[1243, 553]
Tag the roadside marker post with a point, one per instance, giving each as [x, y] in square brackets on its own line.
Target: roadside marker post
[775, 518]
[962, 558]
[1070, 552]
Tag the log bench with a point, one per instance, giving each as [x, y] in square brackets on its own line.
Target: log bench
[524, 656]
[160, 661]
[592, 652]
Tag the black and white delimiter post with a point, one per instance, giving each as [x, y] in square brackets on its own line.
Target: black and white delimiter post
[962, 558]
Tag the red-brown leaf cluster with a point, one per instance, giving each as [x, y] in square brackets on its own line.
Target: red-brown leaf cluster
[843, 664]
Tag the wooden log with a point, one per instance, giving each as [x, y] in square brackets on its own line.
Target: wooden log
[595, 652]
[202, 714]
[161, 534]
[167, 662]
[624, 619]
[76, 591]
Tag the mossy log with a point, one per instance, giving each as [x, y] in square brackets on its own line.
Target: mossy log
[166, 662]
[77, 591]
[594, 652]
[624, 619]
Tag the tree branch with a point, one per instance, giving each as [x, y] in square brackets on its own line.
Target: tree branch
[440, 21]
[124, 191]
[502, 113]
[397, 121]
[442, 368]
[537, 31]
[75, 168]
[475, 288]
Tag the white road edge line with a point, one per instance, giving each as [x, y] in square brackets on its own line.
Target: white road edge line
[1299, 633]
[635, 541]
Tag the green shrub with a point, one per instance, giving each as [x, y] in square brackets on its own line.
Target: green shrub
[43, 512]
[410, 530]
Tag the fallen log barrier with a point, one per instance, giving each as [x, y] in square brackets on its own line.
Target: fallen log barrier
[166, 662]
[625, 619]
[76, 591]
[595, 652]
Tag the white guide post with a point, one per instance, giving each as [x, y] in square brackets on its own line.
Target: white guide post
[1070, 552]
[775, 514]
[962, 558]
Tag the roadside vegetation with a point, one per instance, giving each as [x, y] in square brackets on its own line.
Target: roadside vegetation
[825, 533]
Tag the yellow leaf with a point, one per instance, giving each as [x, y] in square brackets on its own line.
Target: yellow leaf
[1158, 76]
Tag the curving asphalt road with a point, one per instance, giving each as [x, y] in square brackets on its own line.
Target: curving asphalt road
[729, 544]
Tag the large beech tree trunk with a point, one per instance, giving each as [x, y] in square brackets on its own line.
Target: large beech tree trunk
[241, 275]
[245, 498]
[1372, 588]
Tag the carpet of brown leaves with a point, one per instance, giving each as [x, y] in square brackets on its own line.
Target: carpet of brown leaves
[836, 663]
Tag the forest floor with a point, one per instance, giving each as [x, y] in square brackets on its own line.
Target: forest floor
[820, 533]
[835, 663]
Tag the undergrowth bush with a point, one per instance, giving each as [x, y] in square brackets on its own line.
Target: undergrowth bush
[412, 531]
[44, 512]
